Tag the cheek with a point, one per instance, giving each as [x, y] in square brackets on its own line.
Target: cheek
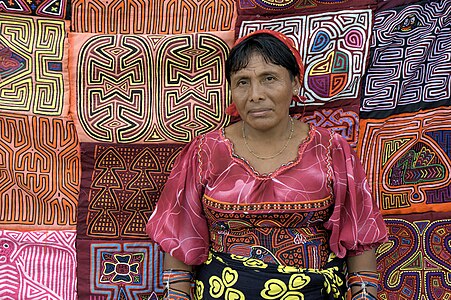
[238, 96]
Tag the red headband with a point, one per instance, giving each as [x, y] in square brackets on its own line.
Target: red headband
[231, 110]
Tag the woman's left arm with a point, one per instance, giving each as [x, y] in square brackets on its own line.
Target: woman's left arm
[362, 275]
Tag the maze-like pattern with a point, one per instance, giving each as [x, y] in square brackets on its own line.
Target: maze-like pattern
[411, 60]
[194, 91]
[125, 270]
[43, 8]
[334, 47]
[415, 262]
[408, 161]
[39, 172]
[298, 7]
[150, 88]
[343, 121]
[33, 73]
[38, 265]
[113, 88]
[122, 185]
[152, 16]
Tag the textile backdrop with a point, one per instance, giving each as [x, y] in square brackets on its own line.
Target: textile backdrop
[98, 97]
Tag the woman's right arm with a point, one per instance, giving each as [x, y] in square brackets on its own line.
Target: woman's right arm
[172, 265]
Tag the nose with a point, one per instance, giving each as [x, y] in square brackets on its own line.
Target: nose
[256, 92]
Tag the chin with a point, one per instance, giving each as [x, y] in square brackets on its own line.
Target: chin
[262, 123]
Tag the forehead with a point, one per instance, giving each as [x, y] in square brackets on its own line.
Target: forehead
[258, 65]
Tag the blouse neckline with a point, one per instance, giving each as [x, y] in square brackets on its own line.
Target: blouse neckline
[264, 176]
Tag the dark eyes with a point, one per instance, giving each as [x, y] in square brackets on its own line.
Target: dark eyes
[270, 78]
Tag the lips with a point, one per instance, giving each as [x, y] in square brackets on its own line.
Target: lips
[259, 110]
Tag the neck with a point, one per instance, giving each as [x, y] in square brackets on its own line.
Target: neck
[265, 157]
[279, 132]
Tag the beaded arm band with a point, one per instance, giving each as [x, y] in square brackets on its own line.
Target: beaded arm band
[363, 279]
[172, 276]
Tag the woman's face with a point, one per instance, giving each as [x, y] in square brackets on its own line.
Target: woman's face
[262, 93]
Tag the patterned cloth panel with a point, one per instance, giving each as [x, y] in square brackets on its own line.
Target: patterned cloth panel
[57, 9]
[387, 4]
[33, 66]
[119, 270]
[38, 265]
[120, 187]
[39, 172]
[148, 88]
[408, 160]
[410, 59]
[416, 261]
[152, 16]
[334, 47]
[299, 7]
[343, 120]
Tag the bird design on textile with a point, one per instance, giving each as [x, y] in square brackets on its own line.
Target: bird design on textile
[9, 274]
[263, 254]
[6, 248]
[27, 271]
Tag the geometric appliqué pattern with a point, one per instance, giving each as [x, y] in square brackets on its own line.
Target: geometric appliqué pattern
[121, 185]
[149, 88]
[152, 17]
[119, 270]
[39, 173]
[408, 161]
[410, 60]
[415, 262]
[33, 66]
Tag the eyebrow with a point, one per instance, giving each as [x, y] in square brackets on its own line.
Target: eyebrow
[263, 74]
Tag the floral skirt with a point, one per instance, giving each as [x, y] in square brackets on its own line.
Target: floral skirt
[225, 276]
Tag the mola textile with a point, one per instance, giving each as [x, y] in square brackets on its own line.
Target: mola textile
[152, 16]
[38, 265]
[415, 262]
[33, 67]
[148, 88]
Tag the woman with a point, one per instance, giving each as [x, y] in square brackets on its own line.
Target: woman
[269, 207]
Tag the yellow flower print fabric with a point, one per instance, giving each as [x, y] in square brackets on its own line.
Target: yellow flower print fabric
[277, 289]
[233, 277]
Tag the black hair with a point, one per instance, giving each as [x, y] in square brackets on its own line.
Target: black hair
[269, 47]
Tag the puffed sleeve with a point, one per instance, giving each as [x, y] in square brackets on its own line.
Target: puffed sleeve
[356, 223]
[177, 223]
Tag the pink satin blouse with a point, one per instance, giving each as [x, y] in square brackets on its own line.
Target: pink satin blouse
[326, 168]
